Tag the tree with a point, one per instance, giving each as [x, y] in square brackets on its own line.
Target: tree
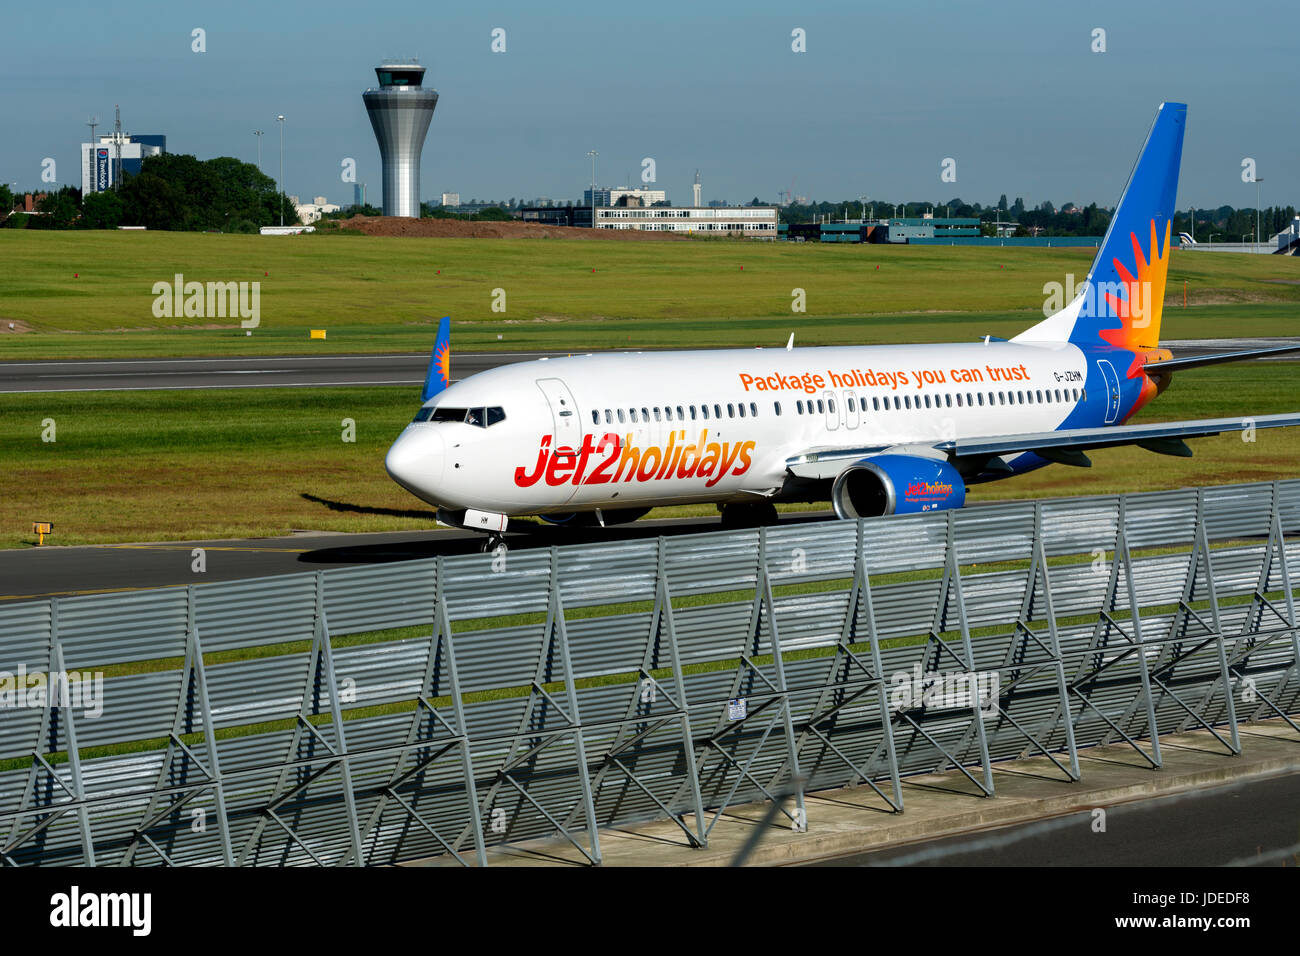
[61, 209]
[1002, 203]
[101, 211]
[6, 200]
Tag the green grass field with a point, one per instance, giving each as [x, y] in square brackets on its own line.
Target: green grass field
[139, 466]
[169, 465]
[385, 294]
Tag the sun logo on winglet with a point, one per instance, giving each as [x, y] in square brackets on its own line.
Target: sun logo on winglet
[443, 359]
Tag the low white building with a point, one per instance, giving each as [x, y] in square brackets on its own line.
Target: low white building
[312, 211]
[760, 221]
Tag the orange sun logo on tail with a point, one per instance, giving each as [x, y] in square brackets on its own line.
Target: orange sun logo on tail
[1139, 310]
[1144, 298]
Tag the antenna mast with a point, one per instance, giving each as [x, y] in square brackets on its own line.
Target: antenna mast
[117, 148]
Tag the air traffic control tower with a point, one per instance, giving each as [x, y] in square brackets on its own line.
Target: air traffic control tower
[400, 111]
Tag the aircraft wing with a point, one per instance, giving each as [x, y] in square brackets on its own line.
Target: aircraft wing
[1066, 446]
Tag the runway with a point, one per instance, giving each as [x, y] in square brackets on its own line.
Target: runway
[36, 573]
[1253, 822]
[298, 371]
[322, 371]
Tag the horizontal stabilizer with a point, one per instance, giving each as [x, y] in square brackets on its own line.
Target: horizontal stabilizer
[1196, 361]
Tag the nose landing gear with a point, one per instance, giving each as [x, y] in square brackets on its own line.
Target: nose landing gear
[493, 542]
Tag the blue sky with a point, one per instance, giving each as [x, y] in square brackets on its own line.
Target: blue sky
[1011, 90]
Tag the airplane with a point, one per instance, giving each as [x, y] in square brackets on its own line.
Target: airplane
[877, 430]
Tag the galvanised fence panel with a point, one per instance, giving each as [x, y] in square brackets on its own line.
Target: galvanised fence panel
[439, 707]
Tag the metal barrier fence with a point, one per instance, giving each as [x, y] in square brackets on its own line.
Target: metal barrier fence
[371, 715]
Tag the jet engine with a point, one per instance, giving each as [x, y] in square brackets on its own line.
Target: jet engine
[896, 484]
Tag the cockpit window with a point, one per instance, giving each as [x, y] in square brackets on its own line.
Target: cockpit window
[482, 417]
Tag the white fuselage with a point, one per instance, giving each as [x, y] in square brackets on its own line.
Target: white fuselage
[616, 430]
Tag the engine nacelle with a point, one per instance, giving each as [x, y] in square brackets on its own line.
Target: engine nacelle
[896, 484]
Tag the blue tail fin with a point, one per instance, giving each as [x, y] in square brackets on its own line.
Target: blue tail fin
[1121, 301]
[439, 376]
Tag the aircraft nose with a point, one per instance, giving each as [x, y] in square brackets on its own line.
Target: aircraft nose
[415, 461]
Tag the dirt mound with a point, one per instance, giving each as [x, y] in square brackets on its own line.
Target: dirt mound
[460, 229]
[13, 325]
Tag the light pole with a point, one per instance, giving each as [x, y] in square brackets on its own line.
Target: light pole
[280, 120]
[1257, 182]
[863, 200]
[258, 133]
[593, 154]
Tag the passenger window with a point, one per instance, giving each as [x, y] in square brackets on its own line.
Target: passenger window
[704, 412]
[692, 413]
[717, 411]
[731, 410]
[633, 414]
[959, 399]
[898, 403]
[830, 404]
[980, 395]
[742, 409]
[595, 417]
[657, 418]
[681, 415]
[620, 416]
[776, 408]
[799, 406]
[645, 415]
[753, 410]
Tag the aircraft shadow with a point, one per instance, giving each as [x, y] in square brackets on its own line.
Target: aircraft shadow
[524, 534]
[367, 509]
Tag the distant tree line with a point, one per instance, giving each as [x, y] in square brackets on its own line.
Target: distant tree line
[1228, 224]
[172, 192]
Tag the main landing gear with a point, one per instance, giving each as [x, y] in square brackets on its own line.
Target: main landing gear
[748, 515]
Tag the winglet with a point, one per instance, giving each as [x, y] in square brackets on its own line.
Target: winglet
[439, 376]
[790, 345]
